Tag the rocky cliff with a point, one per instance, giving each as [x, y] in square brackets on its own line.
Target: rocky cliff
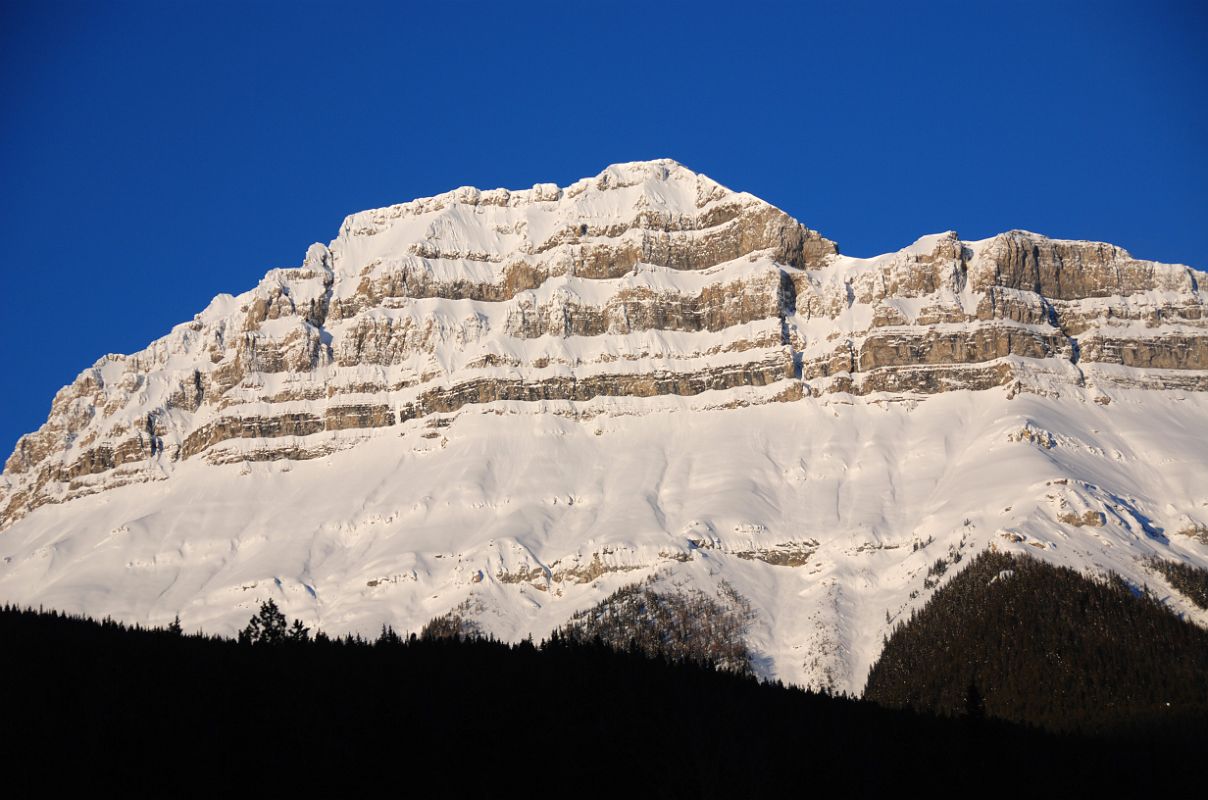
[644, 292]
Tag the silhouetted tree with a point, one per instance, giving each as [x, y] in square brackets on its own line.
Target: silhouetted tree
[299, 632]
[267, 627]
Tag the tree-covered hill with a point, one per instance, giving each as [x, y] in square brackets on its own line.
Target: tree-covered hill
[1018, 639]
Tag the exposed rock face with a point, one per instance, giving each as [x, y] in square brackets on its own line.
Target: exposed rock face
[1071, 270]
[1018, 306]
[473, 297]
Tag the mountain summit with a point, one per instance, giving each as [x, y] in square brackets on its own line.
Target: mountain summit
[509, 404]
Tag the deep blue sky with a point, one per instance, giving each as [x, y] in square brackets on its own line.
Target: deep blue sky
[153, 155]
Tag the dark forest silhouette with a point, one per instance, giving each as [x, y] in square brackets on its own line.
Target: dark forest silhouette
[1048, 646]
[159, 709]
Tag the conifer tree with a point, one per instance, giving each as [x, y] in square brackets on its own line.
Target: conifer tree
[299, 632]
[267, 627]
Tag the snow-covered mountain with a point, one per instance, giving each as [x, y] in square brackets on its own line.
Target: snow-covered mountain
[511, 403]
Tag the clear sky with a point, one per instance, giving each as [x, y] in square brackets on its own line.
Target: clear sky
[155, 154]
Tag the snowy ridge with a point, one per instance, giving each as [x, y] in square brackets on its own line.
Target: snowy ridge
[513, 403]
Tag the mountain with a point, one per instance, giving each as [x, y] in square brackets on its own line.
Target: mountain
[508, 405]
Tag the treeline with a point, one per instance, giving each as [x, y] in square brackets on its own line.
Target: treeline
[1188, 580]
[681, 625]
[159, 711]
[684, 625]
[1013, 638]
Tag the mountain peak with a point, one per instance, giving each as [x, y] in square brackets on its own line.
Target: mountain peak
[657, 170]
[644, 174]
